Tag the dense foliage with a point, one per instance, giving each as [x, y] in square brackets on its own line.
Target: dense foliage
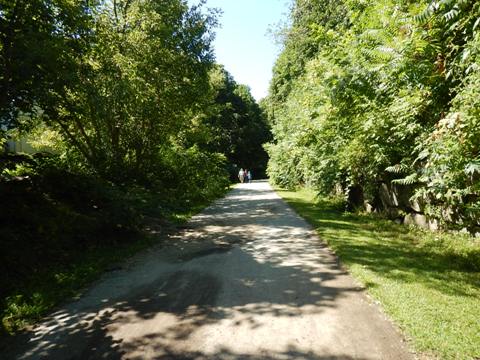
[41, 43]
[140, 70]
[128, 85]
[235, 125]
[381, 92]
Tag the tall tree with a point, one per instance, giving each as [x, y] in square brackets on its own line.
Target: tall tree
[137, 85]
[379, 98]
[235, 124]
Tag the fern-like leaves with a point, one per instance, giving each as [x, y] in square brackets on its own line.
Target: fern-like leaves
[409, 180]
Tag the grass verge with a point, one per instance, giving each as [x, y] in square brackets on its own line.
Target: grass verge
[428, 283]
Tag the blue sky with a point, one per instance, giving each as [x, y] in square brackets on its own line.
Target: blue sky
[242, 44]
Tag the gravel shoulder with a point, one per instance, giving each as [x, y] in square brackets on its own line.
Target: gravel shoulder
[245, 279]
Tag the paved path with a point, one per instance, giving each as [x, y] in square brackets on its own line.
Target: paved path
[245, 279]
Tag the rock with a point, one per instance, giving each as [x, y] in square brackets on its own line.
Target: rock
[417, 220]
[408, 220]
[402, 195]
[415, 206]
[392, 213]
[386, 196]
[368, 207]
[433, 224]
[464, 231]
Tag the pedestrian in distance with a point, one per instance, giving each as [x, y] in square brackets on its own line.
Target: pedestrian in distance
[249, 176]
[241, 175]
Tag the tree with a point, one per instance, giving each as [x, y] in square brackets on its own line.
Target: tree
[235, 124]
[40, 44]
[364, 105]
[137, 85]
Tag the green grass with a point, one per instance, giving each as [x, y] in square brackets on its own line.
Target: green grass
[428, 283]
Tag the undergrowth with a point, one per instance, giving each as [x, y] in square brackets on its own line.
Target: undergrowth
[60, 230]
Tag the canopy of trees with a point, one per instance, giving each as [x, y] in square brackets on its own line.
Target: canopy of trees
[372, 92]
[130, 86]
[237, 126]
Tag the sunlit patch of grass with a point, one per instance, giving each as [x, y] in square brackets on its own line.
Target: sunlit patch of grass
[428, 283]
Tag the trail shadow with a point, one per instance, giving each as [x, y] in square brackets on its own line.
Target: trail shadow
[234, 264]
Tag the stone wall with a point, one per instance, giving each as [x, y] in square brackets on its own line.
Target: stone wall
[395, 201]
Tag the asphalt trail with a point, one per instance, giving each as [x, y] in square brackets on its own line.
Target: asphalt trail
[245, 279]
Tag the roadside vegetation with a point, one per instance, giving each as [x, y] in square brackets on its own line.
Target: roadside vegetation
[368, 95]
[428, 283]
[61, 230]
[133, 127]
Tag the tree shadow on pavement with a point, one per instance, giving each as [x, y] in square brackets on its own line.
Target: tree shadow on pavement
[233, 265]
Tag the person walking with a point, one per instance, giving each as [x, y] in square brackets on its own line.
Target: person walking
[241, 175]
[249, 176]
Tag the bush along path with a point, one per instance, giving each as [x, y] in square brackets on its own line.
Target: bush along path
[62, 230]
[380, 100]
[247, 278]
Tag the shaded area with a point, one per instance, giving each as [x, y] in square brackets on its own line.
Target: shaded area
[57, 231]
